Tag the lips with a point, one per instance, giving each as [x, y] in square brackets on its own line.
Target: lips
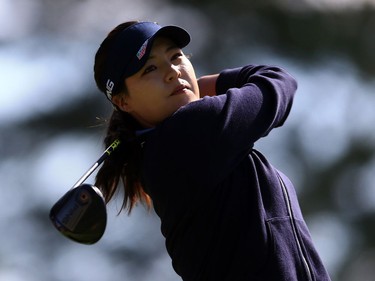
[179, 90]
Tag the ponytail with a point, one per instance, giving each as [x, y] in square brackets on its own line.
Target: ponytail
[124, 165]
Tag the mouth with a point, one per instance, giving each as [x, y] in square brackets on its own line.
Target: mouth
[181, 89]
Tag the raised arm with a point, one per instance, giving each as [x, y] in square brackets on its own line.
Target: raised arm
[221, 129]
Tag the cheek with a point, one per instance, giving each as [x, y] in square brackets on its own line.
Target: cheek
[188, 68]
[146, 102]
[191, 77]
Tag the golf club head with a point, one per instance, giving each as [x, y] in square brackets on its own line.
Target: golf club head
[81, 214]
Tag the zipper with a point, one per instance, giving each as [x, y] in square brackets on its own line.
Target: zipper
[294, 227]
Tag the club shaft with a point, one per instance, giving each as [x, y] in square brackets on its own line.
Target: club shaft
[87, 174]
[104, 156]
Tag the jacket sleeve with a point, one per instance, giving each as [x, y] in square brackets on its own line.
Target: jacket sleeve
[215, 133]
[271, 88]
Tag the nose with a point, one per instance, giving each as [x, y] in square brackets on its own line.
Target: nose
[173, 72]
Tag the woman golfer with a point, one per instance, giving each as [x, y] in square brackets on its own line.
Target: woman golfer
[187, 148]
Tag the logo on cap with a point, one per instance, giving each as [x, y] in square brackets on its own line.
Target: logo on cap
[142, 50]
[109, 88]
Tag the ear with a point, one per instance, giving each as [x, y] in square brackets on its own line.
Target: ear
[121, 101]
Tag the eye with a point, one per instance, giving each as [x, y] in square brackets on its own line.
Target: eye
[177, 55]
[149, 69]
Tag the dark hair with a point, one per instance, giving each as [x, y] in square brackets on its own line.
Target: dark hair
[125, 163]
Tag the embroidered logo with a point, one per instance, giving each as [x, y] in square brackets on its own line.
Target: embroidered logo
[142, 50]
[109, 88]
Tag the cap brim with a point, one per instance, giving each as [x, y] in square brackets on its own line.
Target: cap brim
[177, 34]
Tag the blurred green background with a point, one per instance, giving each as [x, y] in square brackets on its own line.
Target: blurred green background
[51, 125]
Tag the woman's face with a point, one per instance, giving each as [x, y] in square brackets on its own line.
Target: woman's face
[165, 83]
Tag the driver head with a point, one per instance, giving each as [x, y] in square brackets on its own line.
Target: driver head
[81, 214]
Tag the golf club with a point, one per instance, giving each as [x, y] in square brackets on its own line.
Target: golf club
[81, 213]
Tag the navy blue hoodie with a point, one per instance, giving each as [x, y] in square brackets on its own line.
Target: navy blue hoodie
[226, 213]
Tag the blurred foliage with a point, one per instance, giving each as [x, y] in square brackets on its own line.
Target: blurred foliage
[293, 29]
